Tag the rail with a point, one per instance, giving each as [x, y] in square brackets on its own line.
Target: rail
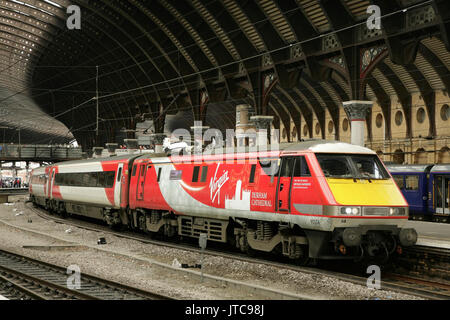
[45, 281]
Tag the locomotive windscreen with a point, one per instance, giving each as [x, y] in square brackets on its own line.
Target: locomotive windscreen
[351, 166]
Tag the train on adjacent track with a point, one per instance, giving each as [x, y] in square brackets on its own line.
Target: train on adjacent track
[309, 200]
[426, 188]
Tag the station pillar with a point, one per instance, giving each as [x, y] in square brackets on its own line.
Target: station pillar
[112, 147]
[98, 152]
[243, 125]
[263, 126]
[357, 111]
[198, 131]
[158, 140]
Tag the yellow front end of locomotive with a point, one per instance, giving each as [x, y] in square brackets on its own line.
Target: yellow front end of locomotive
[364, 192]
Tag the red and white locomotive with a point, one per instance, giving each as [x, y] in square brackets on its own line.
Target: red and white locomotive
[315, 199]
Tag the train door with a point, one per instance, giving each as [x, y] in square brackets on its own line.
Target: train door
[141, 181]
[118, 185]
[284, 184]
[50, 182]
[442, 194]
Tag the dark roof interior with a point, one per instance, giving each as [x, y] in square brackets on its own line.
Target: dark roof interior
[287, 58]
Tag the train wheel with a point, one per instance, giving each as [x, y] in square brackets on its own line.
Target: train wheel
[62, 210]
[303, 255]
[251, 252]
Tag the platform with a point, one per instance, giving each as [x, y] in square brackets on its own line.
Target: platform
[431, 234]
[6, 193]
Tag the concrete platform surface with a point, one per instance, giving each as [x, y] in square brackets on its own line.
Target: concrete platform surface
[431, 234]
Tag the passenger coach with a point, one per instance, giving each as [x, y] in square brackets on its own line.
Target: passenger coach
[426, 188]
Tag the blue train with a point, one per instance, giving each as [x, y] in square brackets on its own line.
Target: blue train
[426, 188]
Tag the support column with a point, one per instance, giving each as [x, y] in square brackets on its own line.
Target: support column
[158, 140]
[263, 126]
[357, 111]
[243, 124]
[198, 131]
[112, 147]
[27, 169]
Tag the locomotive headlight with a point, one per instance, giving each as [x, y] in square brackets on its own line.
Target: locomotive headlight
[397, 211]
[350, 211]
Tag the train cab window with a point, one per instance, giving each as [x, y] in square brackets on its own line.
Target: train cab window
[412, 183]
[204, 174]
[133, 173]
[399, 181]
[195, 174]
[159, 174]
[301, 168]
[119, 175]
[252, 174]
[351, 166]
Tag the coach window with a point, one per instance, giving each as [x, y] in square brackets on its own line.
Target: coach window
[101, 179]
[119, 174]
[109, 179]
[399, 181]
[195, 174]
[90, 180]
[134, 170]
[301, 168]
[204, 174]
[252, 174]
[77, 179]
[412, 183]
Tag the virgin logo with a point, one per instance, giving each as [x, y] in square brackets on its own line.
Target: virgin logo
[216, 184]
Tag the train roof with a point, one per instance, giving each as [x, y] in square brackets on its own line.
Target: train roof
[399, 168]
[313, 145]
[319, 146]
[92, 160]
[445, 167]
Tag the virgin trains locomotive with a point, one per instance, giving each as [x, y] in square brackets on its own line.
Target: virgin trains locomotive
[315, 199]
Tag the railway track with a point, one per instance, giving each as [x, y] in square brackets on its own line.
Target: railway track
[424, 288]
[29, 279]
